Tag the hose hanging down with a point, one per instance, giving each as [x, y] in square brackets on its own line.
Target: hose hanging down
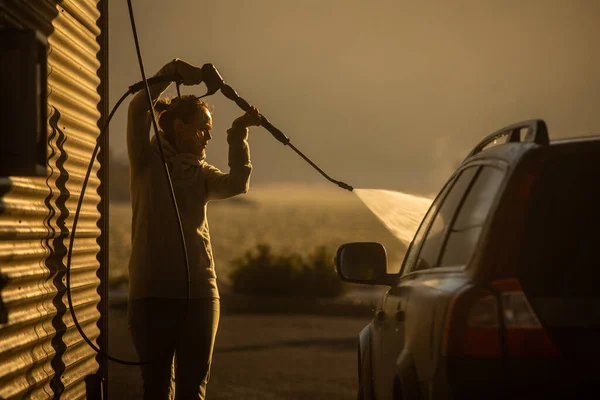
[145, 82]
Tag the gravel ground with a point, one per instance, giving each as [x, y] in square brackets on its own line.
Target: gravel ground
[266, 357]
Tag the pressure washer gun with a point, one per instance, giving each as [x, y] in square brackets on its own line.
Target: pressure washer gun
[214, 82]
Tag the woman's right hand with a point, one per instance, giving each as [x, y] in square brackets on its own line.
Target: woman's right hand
[189, 74]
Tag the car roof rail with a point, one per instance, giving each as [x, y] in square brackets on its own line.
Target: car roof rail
[537, 132]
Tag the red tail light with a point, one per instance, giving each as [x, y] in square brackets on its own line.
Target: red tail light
[474, 324]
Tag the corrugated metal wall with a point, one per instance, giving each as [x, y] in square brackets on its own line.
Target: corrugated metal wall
[41, 353]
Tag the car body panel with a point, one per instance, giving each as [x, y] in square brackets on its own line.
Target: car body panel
[431, 295]
[365, 374]
[390, 333]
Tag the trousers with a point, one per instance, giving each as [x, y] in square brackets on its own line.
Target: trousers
[180, 340]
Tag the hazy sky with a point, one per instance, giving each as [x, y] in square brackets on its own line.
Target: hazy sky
[380, 94]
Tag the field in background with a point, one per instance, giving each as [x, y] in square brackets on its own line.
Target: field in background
[289, 218]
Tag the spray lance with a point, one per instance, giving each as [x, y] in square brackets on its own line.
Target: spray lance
[214, 82]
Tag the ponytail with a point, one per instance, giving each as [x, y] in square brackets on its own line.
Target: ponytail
[165, 119]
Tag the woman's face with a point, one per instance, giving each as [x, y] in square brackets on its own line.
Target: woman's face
[193, 137]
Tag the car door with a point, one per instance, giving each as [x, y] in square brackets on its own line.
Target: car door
[382, 324]
[422, 255]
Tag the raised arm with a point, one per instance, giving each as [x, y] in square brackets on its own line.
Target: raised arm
[139, 119]
[221, 185]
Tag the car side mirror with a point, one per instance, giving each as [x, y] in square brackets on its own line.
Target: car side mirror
[362, 262]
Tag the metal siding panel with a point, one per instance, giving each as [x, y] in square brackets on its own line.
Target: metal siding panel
[25, 190]
[84, 76]
[85, 12]
[39, 338]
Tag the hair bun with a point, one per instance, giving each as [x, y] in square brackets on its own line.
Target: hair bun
[162, 105]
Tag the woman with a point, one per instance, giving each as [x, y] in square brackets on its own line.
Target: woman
[160, 323]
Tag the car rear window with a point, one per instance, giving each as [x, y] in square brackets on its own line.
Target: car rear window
[561, 246]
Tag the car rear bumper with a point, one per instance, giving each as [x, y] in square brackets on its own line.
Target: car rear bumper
[460, 378]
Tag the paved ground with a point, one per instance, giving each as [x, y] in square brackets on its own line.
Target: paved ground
[266, 357]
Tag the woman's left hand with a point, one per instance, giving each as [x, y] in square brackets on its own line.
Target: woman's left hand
[251, 118]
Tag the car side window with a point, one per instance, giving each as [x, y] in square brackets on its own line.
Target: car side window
[432, 245]
[413, 250]
[428, 238]
[465, 232]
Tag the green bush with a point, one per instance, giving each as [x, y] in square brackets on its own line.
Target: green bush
[261, 272]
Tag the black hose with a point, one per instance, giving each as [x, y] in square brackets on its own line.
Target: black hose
[162, 154]
[131, 90]
[72, 240]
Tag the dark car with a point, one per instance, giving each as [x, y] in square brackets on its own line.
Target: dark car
[498, 294]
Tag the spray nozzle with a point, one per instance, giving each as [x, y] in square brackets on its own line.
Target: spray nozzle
[345, 186]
